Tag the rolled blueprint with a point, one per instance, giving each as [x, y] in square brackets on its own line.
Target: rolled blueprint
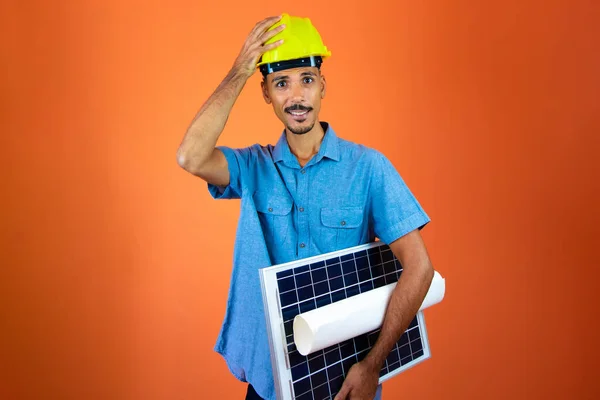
[331, 324]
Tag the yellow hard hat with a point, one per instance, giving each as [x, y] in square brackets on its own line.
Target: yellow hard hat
[302, 46]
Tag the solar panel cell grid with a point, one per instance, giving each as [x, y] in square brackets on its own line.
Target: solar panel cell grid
[302, 288]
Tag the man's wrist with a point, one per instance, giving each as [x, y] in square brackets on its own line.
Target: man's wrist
[237, 72]
[373, 362]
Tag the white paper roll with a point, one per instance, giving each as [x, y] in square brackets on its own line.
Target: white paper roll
[331, 324]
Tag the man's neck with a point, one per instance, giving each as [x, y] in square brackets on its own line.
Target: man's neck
[304, 147]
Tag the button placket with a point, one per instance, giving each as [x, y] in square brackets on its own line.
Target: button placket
[302, 215]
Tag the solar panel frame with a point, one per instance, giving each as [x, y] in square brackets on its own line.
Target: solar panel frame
[276, 329]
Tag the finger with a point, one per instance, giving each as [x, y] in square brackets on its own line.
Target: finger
[269, 34]
[271, 46]
[343, 393]
[258, 49]
[257, 28]
[271, 18]
[262, 22]
[263, 25]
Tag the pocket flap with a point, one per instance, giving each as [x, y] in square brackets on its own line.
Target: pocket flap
[268, 203]
[342, 217]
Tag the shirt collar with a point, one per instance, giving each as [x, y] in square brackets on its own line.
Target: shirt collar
[329, 148]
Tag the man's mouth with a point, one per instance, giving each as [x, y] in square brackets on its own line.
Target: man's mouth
[298, 112]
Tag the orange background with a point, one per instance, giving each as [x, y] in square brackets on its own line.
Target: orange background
[116, 262]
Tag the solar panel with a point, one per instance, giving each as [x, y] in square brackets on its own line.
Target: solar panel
[300, 286]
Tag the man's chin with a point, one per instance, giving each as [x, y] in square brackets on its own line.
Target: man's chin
[299, 126]
[301, 129]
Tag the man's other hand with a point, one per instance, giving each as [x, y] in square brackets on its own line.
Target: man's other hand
[360, 383]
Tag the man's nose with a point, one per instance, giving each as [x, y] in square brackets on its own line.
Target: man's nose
[297, 91]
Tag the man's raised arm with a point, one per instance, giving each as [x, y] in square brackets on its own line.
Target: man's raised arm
[197, 153]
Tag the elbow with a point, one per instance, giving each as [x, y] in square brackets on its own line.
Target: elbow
[186, 162]
[427, 266]
[428, 271]
[182, 160]
[425, 269]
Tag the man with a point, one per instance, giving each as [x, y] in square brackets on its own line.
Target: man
[311, 193]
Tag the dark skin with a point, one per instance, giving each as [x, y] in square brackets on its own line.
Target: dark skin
[300, 90]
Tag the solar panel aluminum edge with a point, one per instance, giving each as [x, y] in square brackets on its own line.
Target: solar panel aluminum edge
[275, 329]
[276, 352]
[426, 351]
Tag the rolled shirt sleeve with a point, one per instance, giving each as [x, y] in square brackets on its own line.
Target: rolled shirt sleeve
[394, 210]
[238, 161]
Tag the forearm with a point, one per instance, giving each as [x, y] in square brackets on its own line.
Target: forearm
[404, 303]
[201, 137]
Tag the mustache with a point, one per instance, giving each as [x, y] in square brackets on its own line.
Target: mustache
[298, 107]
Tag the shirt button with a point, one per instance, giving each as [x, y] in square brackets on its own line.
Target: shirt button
[303, 171]
[343, 223]
[270, 209]
[301, 209]
[302, 245]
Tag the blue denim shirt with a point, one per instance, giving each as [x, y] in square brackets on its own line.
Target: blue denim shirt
[346, 195]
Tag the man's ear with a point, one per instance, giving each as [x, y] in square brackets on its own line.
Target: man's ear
[323, 86]
[265, 90]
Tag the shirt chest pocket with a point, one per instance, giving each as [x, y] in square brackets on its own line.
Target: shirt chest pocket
[274, 213]
[341, 227]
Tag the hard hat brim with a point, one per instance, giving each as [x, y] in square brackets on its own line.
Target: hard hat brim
[311, 61]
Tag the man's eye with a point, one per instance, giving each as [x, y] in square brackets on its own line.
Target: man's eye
[308, 80]
[280, 83]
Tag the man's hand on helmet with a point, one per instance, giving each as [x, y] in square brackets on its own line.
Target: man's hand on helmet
[254, 46]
